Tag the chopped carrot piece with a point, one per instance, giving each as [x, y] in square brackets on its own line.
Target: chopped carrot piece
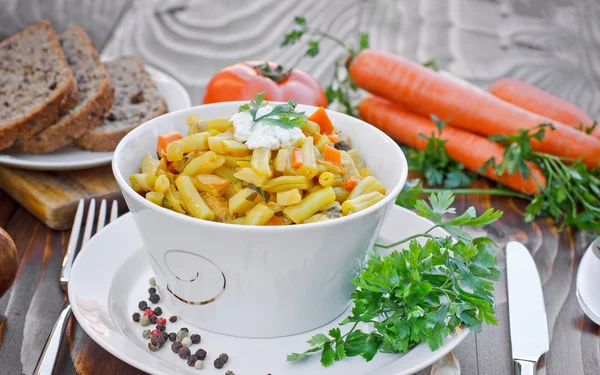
[351, 182]
[274, 220]
[164, 140]
[333, 155]
[334, 138]
[170, 167]
[321, 118]
[297, 160]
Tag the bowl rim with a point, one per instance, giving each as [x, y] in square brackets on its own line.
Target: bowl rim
[127, 189]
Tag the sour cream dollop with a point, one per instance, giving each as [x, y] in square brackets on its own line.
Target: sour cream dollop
[262, 134]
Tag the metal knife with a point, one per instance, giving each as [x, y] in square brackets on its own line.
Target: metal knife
[526, 310]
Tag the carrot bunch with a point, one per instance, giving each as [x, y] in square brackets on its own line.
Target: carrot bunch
[516, 134]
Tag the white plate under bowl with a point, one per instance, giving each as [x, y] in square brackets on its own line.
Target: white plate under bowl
[71, 157]
[110, 277]
[588, 280]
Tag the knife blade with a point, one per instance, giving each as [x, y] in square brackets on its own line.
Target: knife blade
[526, 309]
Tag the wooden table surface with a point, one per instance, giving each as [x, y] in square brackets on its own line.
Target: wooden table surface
[551, 43]
[30, 307]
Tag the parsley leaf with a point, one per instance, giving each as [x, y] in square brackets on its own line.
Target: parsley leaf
[571, 193]
[432, 64]
[435, 163]
[420, 294]
[283, 115]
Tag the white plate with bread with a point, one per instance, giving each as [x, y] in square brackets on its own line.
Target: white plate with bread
[62, 107]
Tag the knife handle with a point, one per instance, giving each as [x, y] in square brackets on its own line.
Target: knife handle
[525, 367]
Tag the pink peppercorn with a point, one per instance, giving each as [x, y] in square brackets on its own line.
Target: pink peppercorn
[148, 313]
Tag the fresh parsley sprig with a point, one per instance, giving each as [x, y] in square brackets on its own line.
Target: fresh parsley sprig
[572, 192]
[420, 294]
[438, 168]
[283, 115]
[341, 89]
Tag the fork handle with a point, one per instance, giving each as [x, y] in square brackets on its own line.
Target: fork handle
[45, 365]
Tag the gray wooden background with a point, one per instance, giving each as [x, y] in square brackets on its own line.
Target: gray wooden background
[554, 44]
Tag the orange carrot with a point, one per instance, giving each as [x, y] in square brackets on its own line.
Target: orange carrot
[332, 155]
[541, 102]
[467, 148]
[321, 118]
[164, 140]
[351, 182]
[297, 160]
[427, 92]
[274, 220]
[334, 138]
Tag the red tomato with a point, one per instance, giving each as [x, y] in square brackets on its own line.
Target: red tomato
[243, 81]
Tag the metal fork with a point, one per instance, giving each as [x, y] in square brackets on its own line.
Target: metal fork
[49, 355]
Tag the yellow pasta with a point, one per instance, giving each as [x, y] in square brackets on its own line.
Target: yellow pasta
[289, 197]
[173, 200]
[251, 177]
[310, 205]
[311, 127]
[162, 184]
[220, 124]
[260, 161]
[192, 201]
[258, 215]
[361, 202]
[244, 201]
[309, 164]
[211, 184]
[205, 163]
[284, 183]
[368, 185]
[282, 160]
[326, 179]
[235, 148]
[211, 175]
[155, 197]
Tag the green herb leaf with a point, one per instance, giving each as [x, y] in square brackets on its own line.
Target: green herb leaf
[431, 64]
[283, 115]
[300, 20]
[363, 41]
[313, 49]
[422, 293]
[435, 163]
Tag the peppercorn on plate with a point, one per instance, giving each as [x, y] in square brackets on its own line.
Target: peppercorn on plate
[267, 164]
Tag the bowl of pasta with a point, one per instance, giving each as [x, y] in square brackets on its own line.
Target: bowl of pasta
[257, 216]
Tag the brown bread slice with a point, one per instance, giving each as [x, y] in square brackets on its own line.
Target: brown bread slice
[137, 101]
[96, 95]
[36, 83]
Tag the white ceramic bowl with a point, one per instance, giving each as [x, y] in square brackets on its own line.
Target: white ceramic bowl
[257, 281]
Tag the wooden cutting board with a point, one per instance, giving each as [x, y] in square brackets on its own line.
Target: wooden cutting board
[52, 197]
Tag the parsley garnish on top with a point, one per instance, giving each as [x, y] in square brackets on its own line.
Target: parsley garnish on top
[422, 293]
[283, 115]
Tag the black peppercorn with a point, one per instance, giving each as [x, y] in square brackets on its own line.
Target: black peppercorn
[172, 336]
[176, 346]
[221, 361]
[143, 305]
[173, 319]
[192, 360]
[152, 290]
[165, 335]
[157, 311]
[157, 340]
[154, 298]
[160, 327]
[136, 317]
[200, 354]
[184, 352]
[195, 338]
[153, 319]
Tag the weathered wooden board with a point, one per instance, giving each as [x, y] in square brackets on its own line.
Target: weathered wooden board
[52, 197]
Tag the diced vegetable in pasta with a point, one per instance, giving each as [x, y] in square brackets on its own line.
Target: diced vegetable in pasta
[211, 175]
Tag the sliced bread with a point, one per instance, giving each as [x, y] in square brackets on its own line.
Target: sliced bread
[136, 101]
[36, 83]
[96, 95]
